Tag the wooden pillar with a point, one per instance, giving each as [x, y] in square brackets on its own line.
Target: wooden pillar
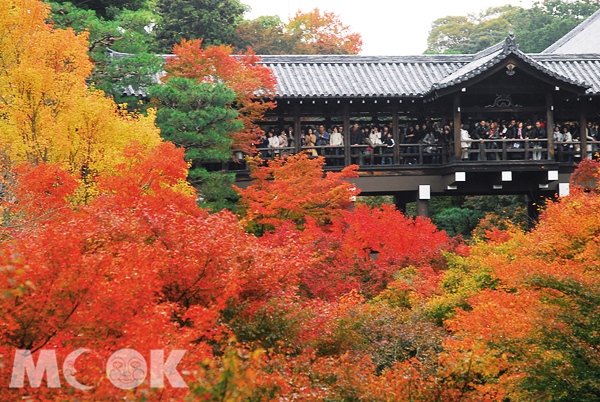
[550, 125]
[400, 202]
[457, 118]
[396, 135]
[297, 128]
[423, 208]
[582, 131]
[347, 144]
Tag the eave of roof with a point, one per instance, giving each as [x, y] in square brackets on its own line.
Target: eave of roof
[494, 55]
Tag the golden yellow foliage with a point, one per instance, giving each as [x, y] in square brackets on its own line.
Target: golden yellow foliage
[48, 114]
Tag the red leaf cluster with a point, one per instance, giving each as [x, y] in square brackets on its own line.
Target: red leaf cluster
[251, 81]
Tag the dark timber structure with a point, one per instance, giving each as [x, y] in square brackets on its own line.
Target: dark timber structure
[558, 85]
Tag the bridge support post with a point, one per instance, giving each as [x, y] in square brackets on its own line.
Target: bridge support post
[297, 128]
[400, 201]
[534, 203]
[423, 208]
[423, 200]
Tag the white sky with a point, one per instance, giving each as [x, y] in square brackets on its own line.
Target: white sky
[388, 27]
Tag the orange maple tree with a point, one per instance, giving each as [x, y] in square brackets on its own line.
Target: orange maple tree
[243, 73]
[295, 190]
[322, 33]
[292, 189]
[530, 331]
[142, 266]
[312, 32]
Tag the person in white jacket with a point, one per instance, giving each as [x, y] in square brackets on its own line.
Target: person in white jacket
[337, 140]
[375, 136]
[465, 139]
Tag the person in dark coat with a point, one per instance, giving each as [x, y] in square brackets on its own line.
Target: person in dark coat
[537, 133]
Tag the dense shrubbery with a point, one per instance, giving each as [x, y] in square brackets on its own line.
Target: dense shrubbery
[300, 297]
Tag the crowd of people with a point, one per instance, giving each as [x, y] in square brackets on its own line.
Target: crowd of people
[566, 136]
[427, 142]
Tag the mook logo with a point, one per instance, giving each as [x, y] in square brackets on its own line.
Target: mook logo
[125, 369]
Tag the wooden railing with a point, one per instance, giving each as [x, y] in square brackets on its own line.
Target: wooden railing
[425, 154]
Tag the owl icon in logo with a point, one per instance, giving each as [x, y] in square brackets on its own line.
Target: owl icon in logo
[126, 368]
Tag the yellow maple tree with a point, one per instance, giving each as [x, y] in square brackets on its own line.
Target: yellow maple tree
[48, 113]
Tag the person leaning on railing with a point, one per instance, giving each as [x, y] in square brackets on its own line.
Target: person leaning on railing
[465, 139]
[310, 140]
[568, 146]
[336, 140]
[389, 148]
[536, 133]
[430, 141]
[410, 137]
[283, 142]
[480, 132]
[558, 138]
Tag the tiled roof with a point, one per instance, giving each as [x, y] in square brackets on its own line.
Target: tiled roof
[309, 76]
[584, 38]
[583, 68]
[490, 57]
[360, 76]
[350, 76]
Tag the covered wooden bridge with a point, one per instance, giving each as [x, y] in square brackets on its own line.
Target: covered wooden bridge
[559, 85]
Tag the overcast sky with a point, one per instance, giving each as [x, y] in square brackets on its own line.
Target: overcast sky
[388, 27]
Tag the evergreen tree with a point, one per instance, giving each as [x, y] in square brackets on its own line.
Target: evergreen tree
[535, 28]
[213, 21]
[198, 118]
[122, 30]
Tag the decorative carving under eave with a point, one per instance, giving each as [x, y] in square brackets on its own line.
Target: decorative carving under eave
[510, 43]
[510, 69]
[503, 102]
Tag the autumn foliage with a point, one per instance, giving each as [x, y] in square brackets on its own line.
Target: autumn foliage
[306, 295]
[293, 189]
[241, 73]
[323, 33]
[49, 114]
[312, 32]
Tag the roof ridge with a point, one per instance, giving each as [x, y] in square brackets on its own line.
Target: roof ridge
[479, 64]
[360, 59]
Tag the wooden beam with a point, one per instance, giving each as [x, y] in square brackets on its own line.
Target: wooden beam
[479, 109]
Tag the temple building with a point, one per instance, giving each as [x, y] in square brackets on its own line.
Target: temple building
[560, 86]
[557, 88]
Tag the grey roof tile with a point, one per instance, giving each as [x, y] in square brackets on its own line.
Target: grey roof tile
[584, 38]
[584, 68]
[345, 76]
